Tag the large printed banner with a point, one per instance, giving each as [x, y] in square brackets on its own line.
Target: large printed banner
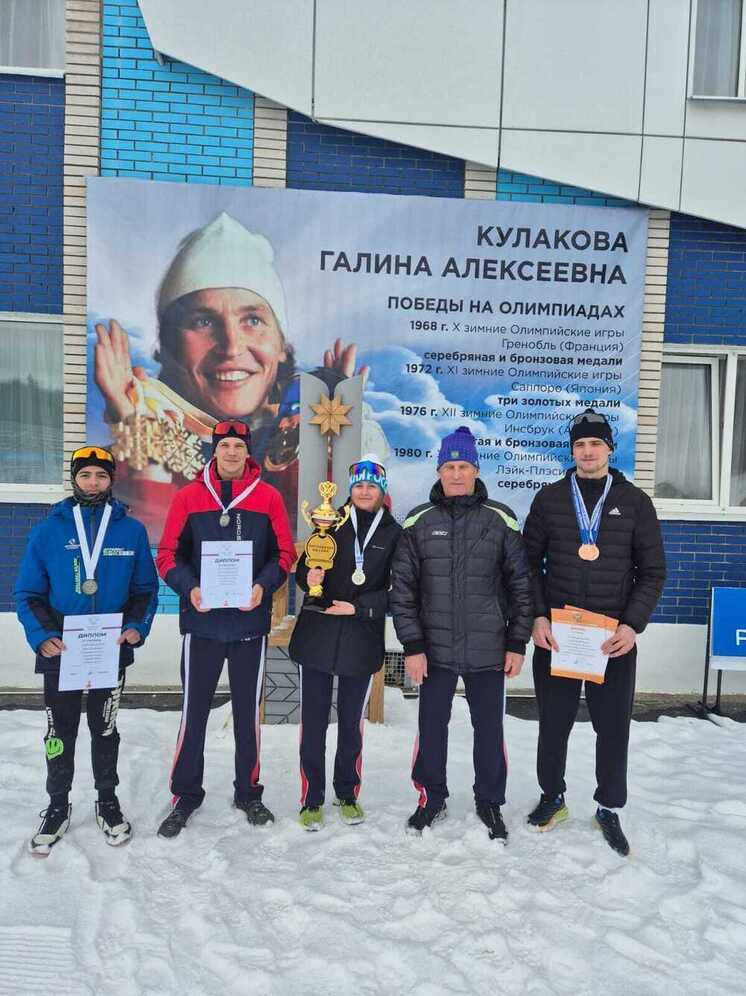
[206, 302]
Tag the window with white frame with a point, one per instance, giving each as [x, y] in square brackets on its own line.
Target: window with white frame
[701, 448]
[719, 68]
[31, 420]
[32, 36]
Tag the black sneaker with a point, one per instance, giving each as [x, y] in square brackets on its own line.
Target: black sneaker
[109, 817]
[175, 822]
[257, 813]
[425, 816]
[490, 816]
[550, 811]
[611, 828]
[55, 821]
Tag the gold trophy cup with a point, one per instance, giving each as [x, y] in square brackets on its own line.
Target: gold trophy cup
[321, 548]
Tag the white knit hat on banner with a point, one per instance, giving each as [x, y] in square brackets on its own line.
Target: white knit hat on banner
[224, 254]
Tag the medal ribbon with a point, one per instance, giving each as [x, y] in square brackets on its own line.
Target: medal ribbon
[213, 492]
[588, 526]
[373, 526]
[91, 557]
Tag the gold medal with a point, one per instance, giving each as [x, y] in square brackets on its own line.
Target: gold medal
[89, 587]
[588, 551]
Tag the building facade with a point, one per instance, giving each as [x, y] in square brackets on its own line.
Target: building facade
[108, 94]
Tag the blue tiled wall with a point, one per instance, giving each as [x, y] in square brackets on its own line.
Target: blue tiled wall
[171, 121]
[521, 187]
[706, 288]
[698, 555]
[320, 157]
[32, 113]
[16, 521]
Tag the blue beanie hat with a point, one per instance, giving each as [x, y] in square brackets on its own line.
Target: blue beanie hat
[459, 445]
[369, 469]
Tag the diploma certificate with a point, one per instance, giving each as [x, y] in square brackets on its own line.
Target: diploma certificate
[92, 656]
[580, 635]
[226, 576]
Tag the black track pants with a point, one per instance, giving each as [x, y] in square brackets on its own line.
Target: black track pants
[316, 702]
[610, 708]
[63, 720]
[485, 693]
[201, 665]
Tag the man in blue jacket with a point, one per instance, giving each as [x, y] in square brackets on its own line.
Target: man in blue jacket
[69, 569]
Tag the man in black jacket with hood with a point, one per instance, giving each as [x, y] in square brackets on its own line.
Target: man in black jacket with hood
[461, 601]
[593, 542]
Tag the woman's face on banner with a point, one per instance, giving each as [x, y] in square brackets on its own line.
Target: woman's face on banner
[223, 352]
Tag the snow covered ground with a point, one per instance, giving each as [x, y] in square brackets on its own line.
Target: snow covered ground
[226, 909]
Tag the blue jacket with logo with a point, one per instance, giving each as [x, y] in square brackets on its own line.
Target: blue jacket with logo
[49, 582]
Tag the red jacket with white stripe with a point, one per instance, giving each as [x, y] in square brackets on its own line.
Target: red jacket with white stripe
[193, 517]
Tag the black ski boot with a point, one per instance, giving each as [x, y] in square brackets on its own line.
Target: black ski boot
[54, 823]
[175, 822]
[257, 813]
[425, 816]
[492, 819]
[116, 829]
[550, 811]
[611, 828]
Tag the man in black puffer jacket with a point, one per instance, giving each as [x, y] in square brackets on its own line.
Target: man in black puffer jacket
[618, 570]
[462, 605]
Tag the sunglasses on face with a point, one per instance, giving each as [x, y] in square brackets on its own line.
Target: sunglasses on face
[592, 417]
[240, 428]
[86, 452]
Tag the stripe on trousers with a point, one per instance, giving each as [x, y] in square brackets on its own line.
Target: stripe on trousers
[184, 712]
[505, 706]
[303, 779]
[420, 789]
[359, 758]
[257, 725]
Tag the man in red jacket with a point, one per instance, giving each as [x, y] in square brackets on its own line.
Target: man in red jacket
[228, 501]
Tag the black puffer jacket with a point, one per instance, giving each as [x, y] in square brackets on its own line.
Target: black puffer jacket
[627, 579]
[461, 589]
[349, 645]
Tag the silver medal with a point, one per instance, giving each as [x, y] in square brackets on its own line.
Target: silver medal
[90, 586]
[225, 519]
[358, 576]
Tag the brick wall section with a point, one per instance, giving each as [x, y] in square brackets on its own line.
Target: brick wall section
[521, 187]
[698, 555]
[16, 521]
[172, 121]
[31, 149]
[706, 299]
[320, 157]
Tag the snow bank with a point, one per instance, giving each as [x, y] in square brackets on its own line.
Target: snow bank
[227, 909]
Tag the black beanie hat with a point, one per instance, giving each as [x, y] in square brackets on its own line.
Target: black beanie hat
[591, 425]
[226, 430]
[92, 456]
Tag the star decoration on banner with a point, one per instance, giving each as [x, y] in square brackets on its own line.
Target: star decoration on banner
[330, 415]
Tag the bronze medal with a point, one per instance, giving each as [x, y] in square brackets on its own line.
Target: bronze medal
[588, 551]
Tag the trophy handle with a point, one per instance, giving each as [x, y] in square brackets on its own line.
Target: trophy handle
[304, 512]
[344, 516]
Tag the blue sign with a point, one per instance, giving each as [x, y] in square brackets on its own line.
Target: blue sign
[728, 629]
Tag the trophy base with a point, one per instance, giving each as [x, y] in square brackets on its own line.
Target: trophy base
[315, 603]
